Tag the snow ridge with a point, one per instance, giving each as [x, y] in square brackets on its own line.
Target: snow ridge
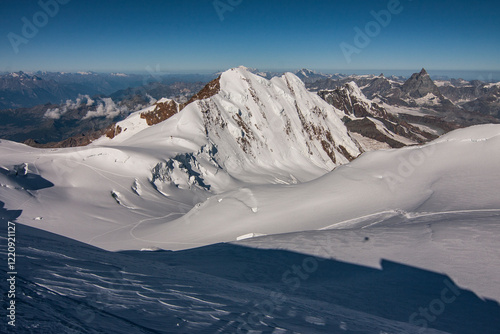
[260, 131]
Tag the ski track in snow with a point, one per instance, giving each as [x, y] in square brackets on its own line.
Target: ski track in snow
[393, 213]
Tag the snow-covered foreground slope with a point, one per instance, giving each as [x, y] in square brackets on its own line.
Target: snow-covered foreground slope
[434, 206]
[454, 173]
[119, 198]
[68, 287]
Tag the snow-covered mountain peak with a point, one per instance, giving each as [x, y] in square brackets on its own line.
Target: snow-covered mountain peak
[257, 130]
[273, 124]
[306, 72]
[310, 76]
[351, 100]
[353, 89]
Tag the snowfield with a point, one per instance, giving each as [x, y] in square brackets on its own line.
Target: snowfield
[422, 217]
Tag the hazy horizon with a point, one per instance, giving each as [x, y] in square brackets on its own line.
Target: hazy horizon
[437, 74]
[209, 36]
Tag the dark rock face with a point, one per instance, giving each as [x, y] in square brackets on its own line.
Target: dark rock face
[161, 112]
[164, 111]
[113, 131]
[212, 88]
[488, 104]
[362, 115]
[419, 85]
[378, 86]
[459, 92]
[80, 140]
[347, 99]
[456, 102]
[368, 129]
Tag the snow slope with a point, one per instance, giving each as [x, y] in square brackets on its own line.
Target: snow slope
[451, 176]
[443, 182]
[68, 287]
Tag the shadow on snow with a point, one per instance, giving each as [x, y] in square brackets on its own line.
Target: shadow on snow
[66, 285]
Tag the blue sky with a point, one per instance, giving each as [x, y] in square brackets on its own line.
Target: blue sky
[189, 35]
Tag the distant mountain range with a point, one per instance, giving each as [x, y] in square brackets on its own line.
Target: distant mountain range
[372, 125]
[24, 90]
[411, 110]
[82, 116]
[460, 101]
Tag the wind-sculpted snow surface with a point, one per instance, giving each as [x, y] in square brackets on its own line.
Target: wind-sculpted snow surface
[70, 287]
[111, 198]
[95, 199]
[455, 172]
